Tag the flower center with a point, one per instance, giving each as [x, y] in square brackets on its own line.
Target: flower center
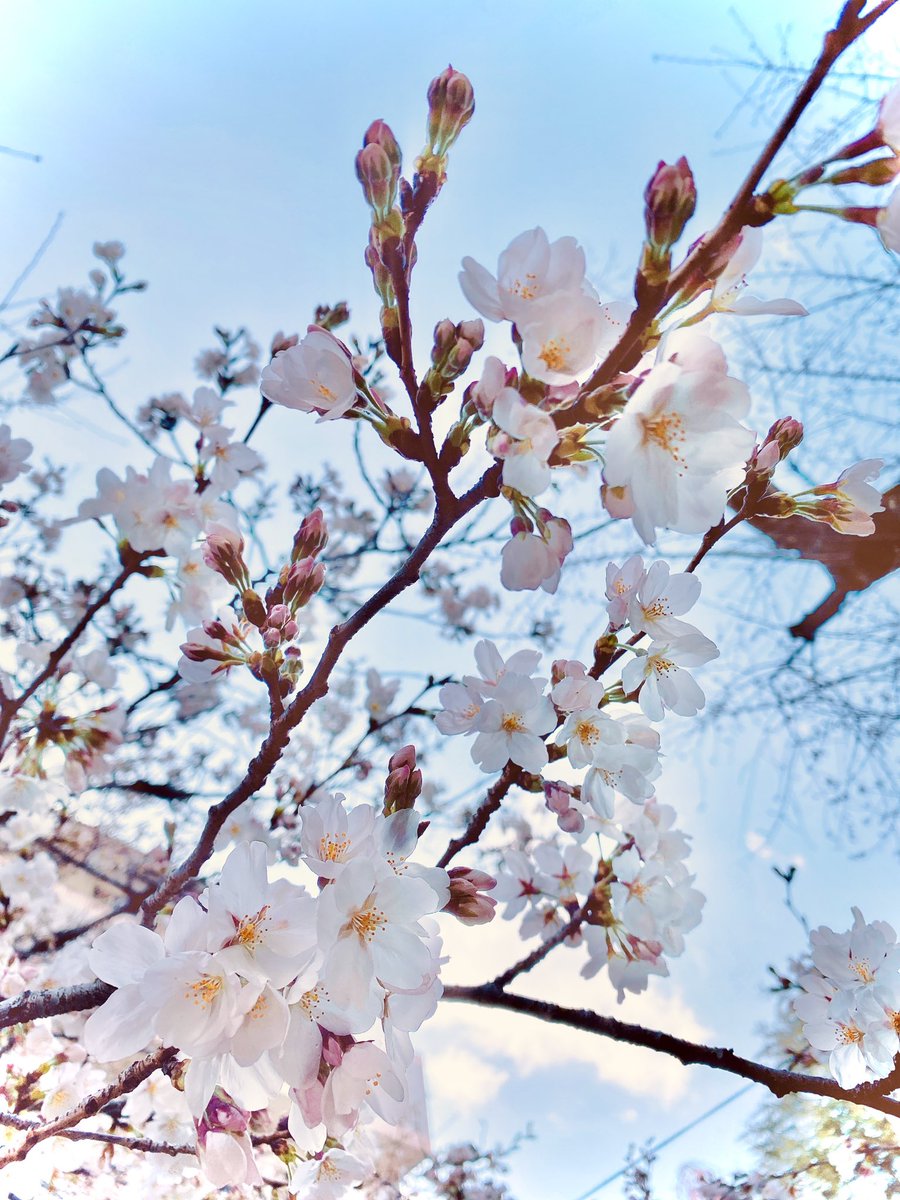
[367, 921]
[333, 847]
[325, 392]
[512, 723]
[204, 990]
[667, 431]
[249, 929]
[554, 354]
[657, 609]
[587, 731]
[848, 1034]
[862, 969]
[527, 290]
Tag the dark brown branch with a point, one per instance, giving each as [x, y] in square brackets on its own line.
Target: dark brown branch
[779, 1082]
[31, 1006]
[486, 809]
[273, 747]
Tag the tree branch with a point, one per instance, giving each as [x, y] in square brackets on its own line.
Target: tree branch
[779, 1082]
[126, 1082]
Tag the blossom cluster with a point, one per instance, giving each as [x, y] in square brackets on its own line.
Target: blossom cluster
[629, 900]
[850, 1006]
[270, 990]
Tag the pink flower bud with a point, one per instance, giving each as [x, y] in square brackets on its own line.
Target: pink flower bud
[787, 434]
[282, 341]
[444, 338]
[223, 1113]
[304, 578]
[380, 134]
[311, 537]
[467, 902]
[378, 178]
[403, 785]
[875, 173]
[451, 102]
[223, 552]
[669, 202]
[197, 652]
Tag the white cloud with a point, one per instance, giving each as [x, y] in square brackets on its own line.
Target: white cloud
[518, 1045]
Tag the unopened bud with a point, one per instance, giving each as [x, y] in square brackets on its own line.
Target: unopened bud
[283, 341]
[787, 434]
[380, 134]
[403, 785]
[198, 652]
[669, 202]
[444, 338]
[774, 503]
[875, 173]
[304, 579]
[467, 901]
[378, 178]
[451, 102]
[254, 608]
[311, 537]
[223, 552]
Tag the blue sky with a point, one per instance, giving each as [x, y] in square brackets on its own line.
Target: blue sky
[217, 141]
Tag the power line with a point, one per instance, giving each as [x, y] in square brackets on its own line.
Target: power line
[670, 1139]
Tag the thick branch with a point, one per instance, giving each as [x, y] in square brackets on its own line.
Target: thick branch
[31, 1006]
[780, 1083]
[273, 747]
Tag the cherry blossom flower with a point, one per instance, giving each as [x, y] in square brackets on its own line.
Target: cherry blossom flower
[531, 268]
[332, 836]
[563, 336]
[315, 375]
[664, 683]
[519, 882]
[379, 694]
[259, 929]
[678, 445]
[327, 1175]
[621, 585]
[866, 957]
[585, 732]
[368, 922]
[851, 1029]
[529, 561]
[493, 667]
[527, 439]
[728, 293]
[659, 599]
[575, 688]
[461, 705]
[13, 453]
[854, 500]
[512, 724]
